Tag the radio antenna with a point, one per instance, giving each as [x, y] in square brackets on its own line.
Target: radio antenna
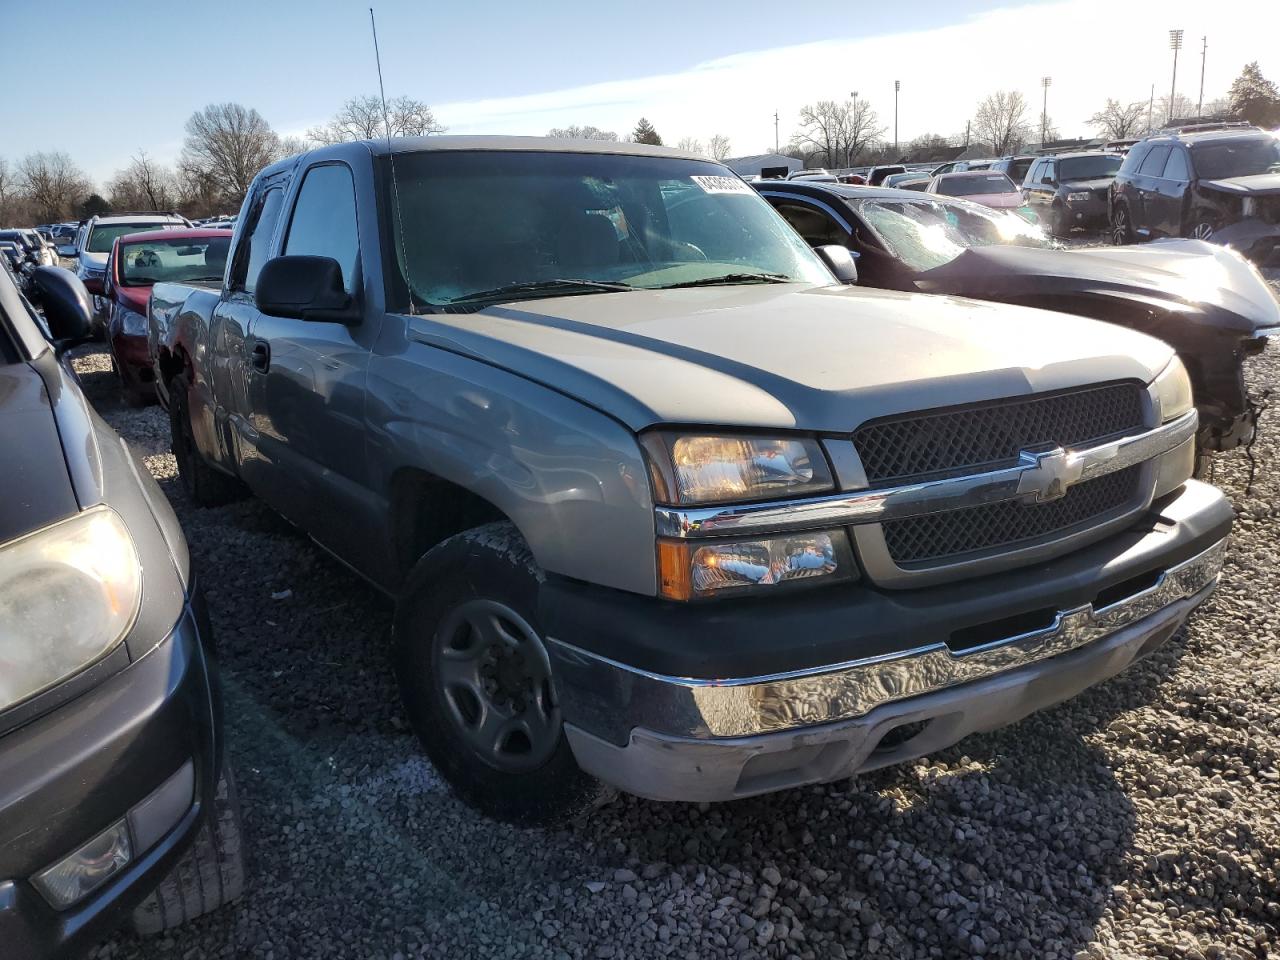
[391, 157]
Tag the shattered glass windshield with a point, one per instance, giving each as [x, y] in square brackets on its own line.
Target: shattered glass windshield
[926, 233]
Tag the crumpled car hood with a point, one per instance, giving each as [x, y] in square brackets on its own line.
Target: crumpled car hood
[1261, 184]
[789, 355]
[1199, 281]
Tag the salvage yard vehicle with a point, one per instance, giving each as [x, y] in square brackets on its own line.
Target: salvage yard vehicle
[116, 803]
[1207, 302]
[93, 246]
[137, 262]
[1070, 190]
[1220, 185]
[663, 505]
[993, 190]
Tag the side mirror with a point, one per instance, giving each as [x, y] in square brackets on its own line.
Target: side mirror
[305, 288]
[839, 260]
[67, 306]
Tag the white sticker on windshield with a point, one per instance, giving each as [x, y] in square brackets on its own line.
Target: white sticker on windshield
[721, 185]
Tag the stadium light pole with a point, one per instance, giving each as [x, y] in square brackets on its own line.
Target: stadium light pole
[897, 85]
[1204, 52]
[1175, 44]
[1044, 110]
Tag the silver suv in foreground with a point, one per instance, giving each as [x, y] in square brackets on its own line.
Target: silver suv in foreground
[662, 504]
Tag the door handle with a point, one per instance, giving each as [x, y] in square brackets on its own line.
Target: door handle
[261, 355]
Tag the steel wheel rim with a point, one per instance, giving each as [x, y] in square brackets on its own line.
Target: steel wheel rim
[1202, 231]
[494, 682]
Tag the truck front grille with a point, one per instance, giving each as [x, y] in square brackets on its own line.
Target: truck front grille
[948, 536]
[958, 440]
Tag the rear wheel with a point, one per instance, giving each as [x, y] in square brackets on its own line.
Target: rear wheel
[204, 486]
[477, 684]
[209, 874]
[1121, 228]
[1202, 228]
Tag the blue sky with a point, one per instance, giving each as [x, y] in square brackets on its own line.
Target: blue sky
[116, 77]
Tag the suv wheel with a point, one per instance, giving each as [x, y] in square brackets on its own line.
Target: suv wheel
[1059, 222]
[477, 684]
[209, 875]
[204, 486]
[1202, 229]
[1121, 228]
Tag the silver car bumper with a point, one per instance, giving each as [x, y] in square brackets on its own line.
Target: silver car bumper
[673, 738]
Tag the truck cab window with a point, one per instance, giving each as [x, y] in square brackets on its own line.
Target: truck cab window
[324, 220]
[258, 241]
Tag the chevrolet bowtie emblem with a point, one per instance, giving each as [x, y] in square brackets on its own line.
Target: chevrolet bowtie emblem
[1048, 475]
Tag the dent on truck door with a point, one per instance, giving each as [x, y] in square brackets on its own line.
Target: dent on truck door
[308, 402]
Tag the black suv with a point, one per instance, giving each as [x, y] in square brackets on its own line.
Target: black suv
[115, 802]
[1070, 190]
[1205, 184]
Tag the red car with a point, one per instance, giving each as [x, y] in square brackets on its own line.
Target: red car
[137, 262]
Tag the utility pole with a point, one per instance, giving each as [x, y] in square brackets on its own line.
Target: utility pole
[775, 133]
[1175, 44]
[1204, 50]
[857, 129]
[1044, 112]
[897, 85]
[1151, 106]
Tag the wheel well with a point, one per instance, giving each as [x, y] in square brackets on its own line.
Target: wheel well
[427, 510]
[171, 362]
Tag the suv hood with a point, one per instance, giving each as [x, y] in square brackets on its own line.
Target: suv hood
[37, 486]
[1261, 184]
[789, 355]
[1201, 283]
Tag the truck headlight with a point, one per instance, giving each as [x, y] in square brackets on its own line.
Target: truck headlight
[694, 570]
[691, 468]
[1173, 391]
[1078, 197]
[68, 594]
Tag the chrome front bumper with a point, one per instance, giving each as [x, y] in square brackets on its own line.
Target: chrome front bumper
[626, 698]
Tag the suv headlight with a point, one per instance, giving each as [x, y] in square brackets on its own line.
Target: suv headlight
[1173, 391]
[68, 594]
[132, 323]
[702, 469]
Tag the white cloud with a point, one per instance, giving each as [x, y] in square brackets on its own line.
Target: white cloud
[1093, 49]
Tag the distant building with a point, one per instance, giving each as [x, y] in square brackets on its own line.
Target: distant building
[764, 165]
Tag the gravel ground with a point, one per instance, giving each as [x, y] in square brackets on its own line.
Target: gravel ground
[1141, 819]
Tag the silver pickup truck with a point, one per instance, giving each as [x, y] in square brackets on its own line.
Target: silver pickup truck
[662, 504]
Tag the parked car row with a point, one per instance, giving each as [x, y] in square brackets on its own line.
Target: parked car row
[680, 486]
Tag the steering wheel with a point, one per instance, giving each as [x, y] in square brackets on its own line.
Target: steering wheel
[146, 258]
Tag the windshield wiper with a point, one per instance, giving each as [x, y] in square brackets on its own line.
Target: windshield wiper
[728, 279]
[565, 284]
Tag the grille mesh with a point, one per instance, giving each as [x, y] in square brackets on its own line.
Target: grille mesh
[937, 537]
[966, 440]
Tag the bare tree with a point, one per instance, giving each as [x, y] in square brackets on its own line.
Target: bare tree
[8, 194]
[198, 192]
[1118, 121]
[1182, 107]
[718, 146]
[690, 145]
[587, 132]
[143, 185]
[53, 185]
[361, 118]
[837, 132]
[230, 143]
[1001, 120]
[289, 146]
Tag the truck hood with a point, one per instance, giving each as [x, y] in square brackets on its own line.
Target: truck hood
[1199, 283]
[1261, 184]
[788, 355]
[37, 486]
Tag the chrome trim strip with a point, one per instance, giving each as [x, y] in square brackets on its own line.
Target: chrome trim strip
[1039, 477]
[618, 697]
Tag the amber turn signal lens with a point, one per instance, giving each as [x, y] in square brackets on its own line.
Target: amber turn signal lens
[674, 580]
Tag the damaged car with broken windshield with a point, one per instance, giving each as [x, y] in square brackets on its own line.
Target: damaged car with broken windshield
[1206, 301]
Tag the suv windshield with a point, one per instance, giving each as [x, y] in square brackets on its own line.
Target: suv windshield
[1089, 168]
[961, 186]
[489, 225]
[178, 260]
[925, 234]
[1236, 158]
[102, 236]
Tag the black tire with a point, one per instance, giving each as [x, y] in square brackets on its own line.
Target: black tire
[1058, 223]
[209, 875]
[1121, 227]
[205, 486]
[484, 574]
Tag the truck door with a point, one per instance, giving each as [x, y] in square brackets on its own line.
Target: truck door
[229, 361]
[307, 382]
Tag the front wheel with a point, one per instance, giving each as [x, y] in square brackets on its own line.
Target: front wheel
[476, 680]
